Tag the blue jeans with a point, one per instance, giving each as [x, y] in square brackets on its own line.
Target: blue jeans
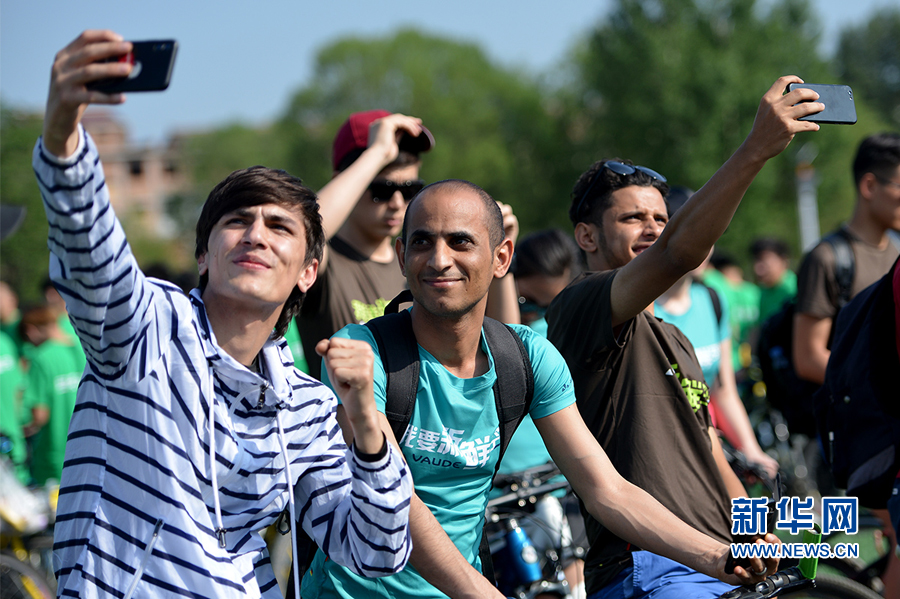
[657, 577]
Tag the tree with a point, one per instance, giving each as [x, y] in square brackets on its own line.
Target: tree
[868, 59]
[491, 124]
[24, 257]
[674, 84]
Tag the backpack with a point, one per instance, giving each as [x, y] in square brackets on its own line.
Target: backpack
[513, 393]
[857, 409]
[786, 391]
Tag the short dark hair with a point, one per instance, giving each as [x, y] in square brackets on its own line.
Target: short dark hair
[598, 197]
[548, 253]
[770, 244]
[252, 187]
[496, 233]
[877, 154]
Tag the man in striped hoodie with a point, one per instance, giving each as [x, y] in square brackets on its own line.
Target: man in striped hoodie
[192, 429]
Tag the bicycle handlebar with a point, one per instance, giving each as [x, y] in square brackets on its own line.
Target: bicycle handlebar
[790, 579]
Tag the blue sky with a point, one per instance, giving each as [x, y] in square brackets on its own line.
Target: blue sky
[240, 61]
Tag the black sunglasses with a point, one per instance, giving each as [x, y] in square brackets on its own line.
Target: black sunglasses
[620, 168]
[383, 190]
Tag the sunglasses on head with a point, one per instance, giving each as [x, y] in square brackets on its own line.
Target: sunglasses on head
[620, 168]
[383, 190]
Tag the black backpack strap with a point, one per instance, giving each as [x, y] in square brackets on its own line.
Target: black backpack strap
[513, 392]
[400, 358]
[844, 264]
[514, 388]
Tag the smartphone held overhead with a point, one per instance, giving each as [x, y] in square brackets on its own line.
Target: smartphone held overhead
[152, 63]
[838, 100]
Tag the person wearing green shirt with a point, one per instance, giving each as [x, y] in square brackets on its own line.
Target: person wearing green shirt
[777, 282]
[742, 298]
[13, 443]
[57, 364]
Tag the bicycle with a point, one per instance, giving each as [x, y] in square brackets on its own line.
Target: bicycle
[800, 578]
[521, 570]
[26, 540]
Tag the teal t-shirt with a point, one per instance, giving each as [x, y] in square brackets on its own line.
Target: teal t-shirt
[451, 446]
[11, 382]
[699, 324]
[52, 382]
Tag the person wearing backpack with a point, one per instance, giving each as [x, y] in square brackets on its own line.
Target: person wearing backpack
[462, 402]
[876, 173]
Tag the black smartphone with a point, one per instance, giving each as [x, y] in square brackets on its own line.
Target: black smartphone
[838, 101]
[152, 62]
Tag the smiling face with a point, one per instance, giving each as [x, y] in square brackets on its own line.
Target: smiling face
[634, 220]
[448, 258]
[256, 256]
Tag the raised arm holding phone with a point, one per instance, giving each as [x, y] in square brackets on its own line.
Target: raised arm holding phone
[193, 431]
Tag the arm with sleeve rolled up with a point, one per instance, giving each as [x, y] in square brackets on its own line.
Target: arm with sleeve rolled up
[91, 263]
[689, 236]
[628, 511]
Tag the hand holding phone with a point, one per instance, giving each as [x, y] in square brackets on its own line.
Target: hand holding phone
[838, 100]
[152, 64]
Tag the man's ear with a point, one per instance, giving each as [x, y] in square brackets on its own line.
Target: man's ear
[503, 257]
[586, 237]
[399, 249]
[867, 185]
[308, 276]
[202, 267]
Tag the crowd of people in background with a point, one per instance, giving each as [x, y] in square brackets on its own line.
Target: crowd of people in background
[637, 305]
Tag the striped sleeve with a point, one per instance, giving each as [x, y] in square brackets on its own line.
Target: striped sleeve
[92, 266]
[366, 529]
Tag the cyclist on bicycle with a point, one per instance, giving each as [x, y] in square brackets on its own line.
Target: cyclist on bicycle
[639, 385]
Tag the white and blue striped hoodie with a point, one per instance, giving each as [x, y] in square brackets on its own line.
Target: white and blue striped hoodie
[142, 511]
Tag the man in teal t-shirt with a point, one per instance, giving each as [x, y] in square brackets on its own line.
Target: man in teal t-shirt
[451, 249]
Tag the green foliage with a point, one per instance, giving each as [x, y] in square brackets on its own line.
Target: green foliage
[490, 124]
[675, 84]
[868, 59]
[24, 257]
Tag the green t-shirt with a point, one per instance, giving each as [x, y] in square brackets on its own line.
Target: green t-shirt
[743, 309]
[772, 298]
[52, 382]
[292, 336]
[11, 382]
[451, 446]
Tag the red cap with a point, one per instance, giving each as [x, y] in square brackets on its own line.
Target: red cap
[354, 135]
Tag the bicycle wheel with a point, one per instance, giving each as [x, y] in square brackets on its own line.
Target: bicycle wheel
[835, 587]
[19, 580]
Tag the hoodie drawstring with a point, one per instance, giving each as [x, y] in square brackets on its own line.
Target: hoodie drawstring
[290, 486]
[220, 528]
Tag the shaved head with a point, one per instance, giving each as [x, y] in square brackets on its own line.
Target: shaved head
[493, 216]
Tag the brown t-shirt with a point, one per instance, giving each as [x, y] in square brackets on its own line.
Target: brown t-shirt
[817, 290]
[352, 289]
[644, 398]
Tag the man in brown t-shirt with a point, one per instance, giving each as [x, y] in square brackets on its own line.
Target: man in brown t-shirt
[376, 173]
[876, 171]
[637, 381]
